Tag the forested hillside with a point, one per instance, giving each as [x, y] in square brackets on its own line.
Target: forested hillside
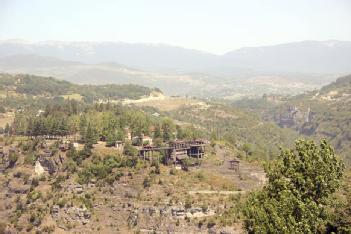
[255, 138]
[321, 114]
[31, 85]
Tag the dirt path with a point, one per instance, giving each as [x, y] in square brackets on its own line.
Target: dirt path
[221, 192]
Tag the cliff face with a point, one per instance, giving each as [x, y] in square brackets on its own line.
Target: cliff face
[293, 117]
[321, 114]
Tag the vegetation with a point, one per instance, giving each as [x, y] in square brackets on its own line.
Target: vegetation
[107, 122]
[101, 169]
[296, 197]
[256, 139]
[87, 177]
[330, 114]
[46, 86]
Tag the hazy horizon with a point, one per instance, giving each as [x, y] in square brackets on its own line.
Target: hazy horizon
[206, 26]
[21, 40]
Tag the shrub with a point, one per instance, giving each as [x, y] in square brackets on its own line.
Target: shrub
[147, 182]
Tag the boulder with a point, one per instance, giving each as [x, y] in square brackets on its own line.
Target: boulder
[48, 164]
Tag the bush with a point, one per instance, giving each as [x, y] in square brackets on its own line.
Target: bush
[30, 159]
[13, 157]
[36, 217]
[56, 185]
[130, 150]
[147, 182]
[33, 196]
[35, 182]
[101, 169]
[173, 171]
[188, 203]
[70, 166]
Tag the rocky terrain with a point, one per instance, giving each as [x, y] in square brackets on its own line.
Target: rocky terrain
[38, 193]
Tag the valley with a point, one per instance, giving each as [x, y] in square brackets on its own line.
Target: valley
[72, 155]
[175, 117]
[180, 71]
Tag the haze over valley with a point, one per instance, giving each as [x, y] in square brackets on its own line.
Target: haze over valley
[284, 69]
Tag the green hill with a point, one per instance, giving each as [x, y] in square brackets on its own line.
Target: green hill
[31, 85]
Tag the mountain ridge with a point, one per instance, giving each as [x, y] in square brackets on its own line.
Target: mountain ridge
[329, 56]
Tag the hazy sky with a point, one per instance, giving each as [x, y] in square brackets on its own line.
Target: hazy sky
[216, 26]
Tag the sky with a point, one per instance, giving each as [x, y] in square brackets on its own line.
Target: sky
[215, 26]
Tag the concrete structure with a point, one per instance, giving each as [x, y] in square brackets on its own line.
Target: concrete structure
[176, 151]
[234, 165]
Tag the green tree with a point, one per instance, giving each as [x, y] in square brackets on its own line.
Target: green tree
[7, 128]
[299, 185]
[83, 123]
[340, 218]
[2, 109]
[130, 150]
[247, 148]
[157, 133]
[167, 128]
[111, 139]
[90, 136]
[180, 132]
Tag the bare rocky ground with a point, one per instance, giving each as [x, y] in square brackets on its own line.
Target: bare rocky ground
[249, 177]
[166, 205]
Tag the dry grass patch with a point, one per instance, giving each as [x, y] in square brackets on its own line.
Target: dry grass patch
[74, 96]
[6, 118]
[169, 104]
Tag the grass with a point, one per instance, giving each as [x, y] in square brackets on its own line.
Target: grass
[74, 96]
[2, 93]
[169, 104]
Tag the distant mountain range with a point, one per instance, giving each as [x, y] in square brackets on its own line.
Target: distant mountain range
[285, 69]
[298, 57]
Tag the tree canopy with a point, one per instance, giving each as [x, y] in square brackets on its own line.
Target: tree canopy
[299, 185]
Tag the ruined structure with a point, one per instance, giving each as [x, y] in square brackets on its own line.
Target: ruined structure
[176, 151]
[234, 165]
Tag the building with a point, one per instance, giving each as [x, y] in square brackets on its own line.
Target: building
[128, 134]
[147, 140]
[142, 140]
[177, 151]
[119, 146]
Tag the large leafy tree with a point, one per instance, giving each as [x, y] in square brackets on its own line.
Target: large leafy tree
[299, 185]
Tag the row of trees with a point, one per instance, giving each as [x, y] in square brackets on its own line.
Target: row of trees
[104, 121]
